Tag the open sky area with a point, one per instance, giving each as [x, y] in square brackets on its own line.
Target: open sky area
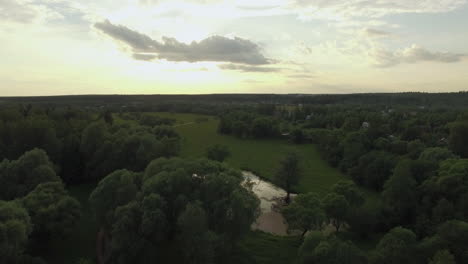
[56, 47]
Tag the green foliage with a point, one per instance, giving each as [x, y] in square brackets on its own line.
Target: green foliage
[53, 212]
[396, 247]
[398, 195]
[442, 257]
[21, 176]
[305, 213]
[436, 154]
[320, 250]
[458, 141]
[117, 189]
[350, 191]
[200, 203]
[15, 227]
[336, 208]
[289, 173]
[454, 235]
[196, 240]
[218, 152]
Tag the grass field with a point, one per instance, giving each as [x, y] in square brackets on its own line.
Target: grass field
[260, 156]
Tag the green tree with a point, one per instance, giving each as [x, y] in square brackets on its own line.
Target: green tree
[331, 251]
[218, 152]
[336, 208]
[15, 227]
[305, 213]
[53, 212]
[399, 193]
[458, 142]
[396, 247]
[21, 176]
[442, 257]
[196, 240]
[350, 191]
[116, 189]
[288, 173]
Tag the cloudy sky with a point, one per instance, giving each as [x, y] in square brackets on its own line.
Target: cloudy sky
[52, 47]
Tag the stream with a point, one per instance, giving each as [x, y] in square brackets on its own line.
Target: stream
[270, 220]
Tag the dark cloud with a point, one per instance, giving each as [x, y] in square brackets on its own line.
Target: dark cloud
[215, 48]
[143, 56]
[248, 68]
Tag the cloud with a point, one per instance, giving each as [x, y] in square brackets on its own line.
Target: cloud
[214, 48]
[375, 33]
[366, 8]
[301, 76]
[248, 68]
[413, 54]
[12, 10]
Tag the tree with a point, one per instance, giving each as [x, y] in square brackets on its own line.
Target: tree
[336, 207]
[330, 251]
[436, 155]
[399, 193]
[297, 136]
[305, 213]
[442, 257]
[185, 205]
[196, 240]
[116, 189]
[454, 235]
[288, 173]
[350, 191]
[458, 142]
[21, 176]
[15, 227]
[218, 152]
[53, 212]
[396, 247]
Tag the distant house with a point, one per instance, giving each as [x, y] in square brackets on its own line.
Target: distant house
[308, 117]
[365, 125]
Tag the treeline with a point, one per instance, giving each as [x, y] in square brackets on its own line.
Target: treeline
[86, 145]
[191, 102]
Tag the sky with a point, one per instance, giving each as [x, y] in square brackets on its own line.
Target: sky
[62, 47]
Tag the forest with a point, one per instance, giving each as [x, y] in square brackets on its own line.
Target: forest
[367, 178]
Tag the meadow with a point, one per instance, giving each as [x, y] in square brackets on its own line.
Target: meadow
[259, 156]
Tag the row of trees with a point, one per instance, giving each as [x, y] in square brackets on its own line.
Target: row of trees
[86, 145]
[248, 125]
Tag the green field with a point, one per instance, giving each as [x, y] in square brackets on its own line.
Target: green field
[260, 156]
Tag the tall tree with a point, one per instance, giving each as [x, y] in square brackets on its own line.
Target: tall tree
[288, 173]
[336, 207]
[305, 213]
